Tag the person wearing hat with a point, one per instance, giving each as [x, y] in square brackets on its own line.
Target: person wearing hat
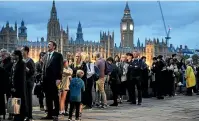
[135, 69]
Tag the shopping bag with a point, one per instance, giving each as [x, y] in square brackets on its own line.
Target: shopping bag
[14, 105]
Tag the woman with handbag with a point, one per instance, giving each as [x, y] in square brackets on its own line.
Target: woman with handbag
[18, 81]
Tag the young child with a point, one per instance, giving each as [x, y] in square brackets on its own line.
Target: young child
[76, 87]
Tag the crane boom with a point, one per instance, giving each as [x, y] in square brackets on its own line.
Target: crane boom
[162, 17]
[164, 23]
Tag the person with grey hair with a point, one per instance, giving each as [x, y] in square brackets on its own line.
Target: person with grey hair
[7, 64]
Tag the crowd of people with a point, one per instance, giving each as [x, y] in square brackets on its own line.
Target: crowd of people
[70, 82]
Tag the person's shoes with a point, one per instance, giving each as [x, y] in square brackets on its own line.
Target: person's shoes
[88, 107]
[42, 109]
[97, 105]
[69, 119]
[133, 103]
[26, 119]
[77, 119]
[47, 118]
[139, 103]
[188, 94]
[114, 104]
[10, 117]
[66, 114]
[128, 100]
[80, 114]
[104, 106]
[55, 118]
[160, 98]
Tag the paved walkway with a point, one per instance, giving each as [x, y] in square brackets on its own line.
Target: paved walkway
[179, 108]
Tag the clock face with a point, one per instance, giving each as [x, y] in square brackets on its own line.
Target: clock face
[124, 26]
[131, 26]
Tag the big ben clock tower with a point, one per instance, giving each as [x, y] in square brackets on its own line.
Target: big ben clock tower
[127, 28]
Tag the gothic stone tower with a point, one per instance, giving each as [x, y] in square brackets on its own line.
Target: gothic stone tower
[79, 37]
[22, 32]
[53, 30]
[127, 28]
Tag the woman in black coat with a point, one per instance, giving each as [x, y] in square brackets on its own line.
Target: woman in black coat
[3, 85]
[18, 82]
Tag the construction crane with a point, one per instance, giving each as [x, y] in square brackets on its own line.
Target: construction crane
[169, 29]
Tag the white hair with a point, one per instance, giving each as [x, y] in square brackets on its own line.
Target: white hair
[3, 51]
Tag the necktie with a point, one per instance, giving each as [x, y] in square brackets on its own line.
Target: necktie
[89, 66]
[48, 58]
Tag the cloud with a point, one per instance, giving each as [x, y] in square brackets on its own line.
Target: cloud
[183, 18]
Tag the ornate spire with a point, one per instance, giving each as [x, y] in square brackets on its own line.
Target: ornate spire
[127, 13]
[79, 34]
[127, 7]
[15, 25]
[138, 43]
[79, 25]
[22, 23]
[67, 29]
[7, 24]
[53, 11]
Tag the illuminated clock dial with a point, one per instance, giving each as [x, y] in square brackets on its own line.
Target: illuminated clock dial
[131, 26]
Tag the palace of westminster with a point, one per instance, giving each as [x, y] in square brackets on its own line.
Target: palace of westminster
[13, 37]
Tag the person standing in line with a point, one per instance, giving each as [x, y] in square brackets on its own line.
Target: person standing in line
[38, 74]
[190, 78]
[160, 77]
[136, 68]
[30, 72]
[100, 63]
[3, 86]
[52, 75]
[153, 77]
[89, 79]
[145, 78]
[64, 86]
[18, 77]
[128, 84]
[76, 88]
[114, 80]
[123, 66]
[6, 64]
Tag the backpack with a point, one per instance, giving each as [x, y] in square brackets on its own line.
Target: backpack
[96, 74]
[108, 68]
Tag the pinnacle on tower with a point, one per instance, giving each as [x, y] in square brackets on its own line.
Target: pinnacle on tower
[53, 11]
[67, 29]
[138, 43]
[22, 23]
[127, 7]
[7, 24]
[15, 25]
[79, 25]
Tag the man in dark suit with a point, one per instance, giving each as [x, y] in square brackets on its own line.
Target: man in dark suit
[52, 74]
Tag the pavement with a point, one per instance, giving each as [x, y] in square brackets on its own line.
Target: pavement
[178, 108]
